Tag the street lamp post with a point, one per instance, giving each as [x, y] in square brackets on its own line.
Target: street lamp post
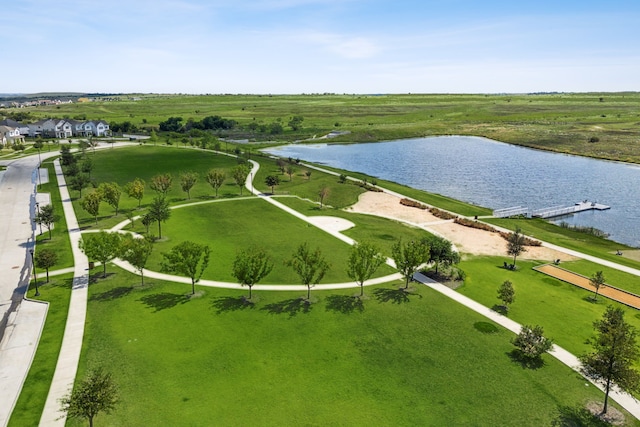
[35, 277]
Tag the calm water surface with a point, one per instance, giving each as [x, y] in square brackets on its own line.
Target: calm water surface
[495, 175]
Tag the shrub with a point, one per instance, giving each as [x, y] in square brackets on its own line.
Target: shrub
[527, 241]
[412, 203]
[439, 213]
[475, 224]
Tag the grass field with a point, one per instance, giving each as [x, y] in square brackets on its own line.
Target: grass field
[416, 361]
[393, 358]
[559, 122]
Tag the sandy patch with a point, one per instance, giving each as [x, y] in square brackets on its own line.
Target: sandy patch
[331, 222]
[466, 239]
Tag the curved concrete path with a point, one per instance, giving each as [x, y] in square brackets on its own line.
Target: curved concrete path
[72, 342]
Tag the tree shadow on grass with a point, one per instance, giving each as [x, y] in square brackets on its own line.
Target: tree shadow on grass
[502, 309]
[576, 416]
[112, 294]
[344, 304]
[525, 362]
[394, 295]
[291, 307]
[224, 304]
[163, 300]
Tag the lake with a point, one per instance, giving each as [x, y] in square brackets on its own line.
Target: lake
[495, 175]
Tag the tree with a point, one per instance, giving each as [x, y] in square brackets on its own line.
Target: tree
[46, 216]
[188, 258]
[215, 178]
[506, 294]
[281, 164]
[153, 137]
[290, 171]
[161, 183]
[187, 181]
[251, 266]
[101, 247]
[240, 174]
[96, 393]
[441, 252]
[364, 260]
[296, 123]
[87, 166]
[597, 281]
[531, 342]
[322, 194]
[614, 354]
[515, 244]
[136, 252]
[91, 203]
[111, 193]
[307, 173]
[79, 182]
[159, 211]
[135, 190]
[146, 220]
[310, 266]
[408, 257]
[66, 158]
[272, 181]
[46, 258]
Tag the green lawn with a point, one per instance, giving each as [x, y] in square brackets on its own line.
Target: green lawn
[419, 361]
[59, 235]
[565, 311]
[230, 226]
[36, 387]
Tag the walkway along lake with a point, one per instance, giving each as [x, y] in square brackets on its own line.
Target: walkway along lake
[495, 175]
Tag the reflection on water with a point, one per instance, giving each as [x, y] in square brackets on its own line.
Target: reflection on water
[496, 175]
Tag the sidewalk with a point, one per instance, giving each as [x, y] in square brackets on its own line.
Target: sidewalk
[69, 357]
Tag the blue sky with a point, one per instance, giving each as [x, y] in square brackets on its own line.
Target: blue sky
[315, 46]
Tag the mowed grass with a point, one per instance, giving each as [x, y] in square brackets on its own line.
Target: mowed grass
[566, 312]
[229, 226]
[416, 359]
[36, 386]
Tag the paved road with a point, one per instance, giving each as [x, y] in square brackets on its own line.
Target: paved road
[21, 321]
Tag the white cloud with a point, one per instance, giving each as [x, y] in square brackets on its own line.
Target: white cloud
[345, 46]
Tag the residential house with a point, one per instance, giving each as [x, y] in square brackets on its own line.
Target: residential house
[10, 135]
[36, 128]
[24, 129]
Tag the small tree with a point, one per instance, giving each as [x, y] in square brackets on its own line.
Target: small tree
[91, 203]
[281, 164]
[136, 252]
[147, 220]
[322, 194]
[272, 181]
[614, 355]
[409, 257]
[161, 183]
[159, 211]
[101, 247]
[290, 171]
[188, 258]
[251, 266]
[215, 178]
[506, 294]
[46, 216]
[531, 342]
[295, 123]
[307, 173]
[96, 393]
[309, 266]
[80, 182]
[597, 281]
[364, 260]
[240, 174]
[46, 258]
[441, 252]
[87, 166]
[153, 137]
[135, 190]
[515, 244]
[187, 181]
[111, 193]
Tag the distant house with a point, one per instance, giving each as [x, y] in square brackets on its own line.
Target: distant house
[63, 129]
[10, 135]
[24, 129]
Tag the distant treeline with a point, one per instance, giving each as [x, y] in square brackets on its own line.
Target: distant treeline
[175, 124]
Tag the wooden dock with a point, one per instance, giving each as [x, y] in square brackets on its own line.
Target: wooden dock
[566, 210]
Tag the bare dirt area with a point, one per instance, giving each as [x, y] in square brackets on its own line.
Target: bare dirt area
[467, 240]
